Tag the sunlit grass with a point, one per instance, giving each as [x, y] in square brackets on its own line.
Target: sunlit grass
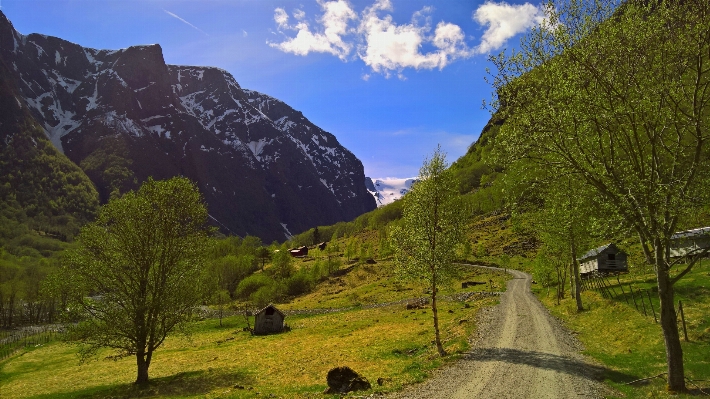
[628, 342]
[388, 342]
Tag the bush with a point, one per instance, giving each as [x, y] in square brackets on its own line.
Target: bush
[252, 284]
[267, 294]
[299, 283]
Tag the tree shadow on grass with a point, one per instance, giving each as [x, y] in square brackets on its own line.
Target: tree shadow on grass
[181, 384]
[550, 361]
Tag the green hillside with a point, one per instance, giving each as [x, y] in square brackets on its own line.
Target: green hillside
[44, 200]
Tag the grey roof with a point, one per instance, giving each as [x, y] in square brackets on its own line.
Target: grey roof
[596, 251]
[271, 306]
[691, 233]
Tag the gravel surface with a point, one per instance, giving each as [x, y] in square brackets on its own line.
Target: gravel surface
[519, 351]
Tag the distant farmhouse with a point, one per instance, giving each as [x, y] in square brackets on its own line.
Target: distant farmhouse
[269, 320]
[300, 251]
[689, 242]
[607, 259]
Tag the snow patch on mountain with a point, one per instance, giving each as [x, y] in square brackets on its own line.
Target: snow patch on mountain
[386, 190]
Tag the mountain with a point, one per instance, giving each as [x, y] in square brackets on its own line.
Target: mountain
[389, 189]
[124, 115]
[41, 191]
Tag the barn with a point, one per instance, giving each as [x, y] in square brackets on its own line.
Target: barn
[269, 320]
[605, 259]
[689, 242]
[300, 251]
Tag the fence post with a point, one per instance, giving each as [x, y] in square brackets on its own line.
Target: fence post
[643, 304]
[624, 293]
[648, 293]
[631, 289]
[609, 288]
[682, 318]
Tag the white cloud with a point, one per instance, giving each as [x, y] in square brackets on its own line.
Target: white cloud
[281, 18]
[334, 22]
[299, 14]
[390, 47]
[504, 21]
[385, 46]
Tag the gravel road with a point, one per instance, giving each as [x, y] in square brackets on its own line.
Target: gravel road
[520, 351]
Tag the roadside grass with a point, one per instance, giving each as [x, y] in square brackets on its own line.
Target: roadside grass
[626, 340]
[387, 342]
[367, 284]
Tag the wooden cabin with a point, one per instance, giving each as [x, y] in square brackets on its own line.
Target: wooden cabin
[300, 251]
[604, 260]
[269, 320]
[689, 242]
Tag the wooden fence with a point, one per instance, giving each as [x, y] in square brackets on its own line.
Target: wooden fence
[13, 340]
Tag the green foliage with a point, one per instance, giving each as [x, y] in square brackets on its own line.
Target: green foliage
[143, 257]
[252, 284]
[282, 263]
[40, 189]
[432, 228]
[374, 220]
[631, 130]
[299, 283]
[432, 225]
[476, 169]
[226, 272]
[108, 166]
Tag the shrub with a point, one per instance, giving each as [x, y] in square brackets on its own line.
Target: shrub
[252, 284]
[299, 283]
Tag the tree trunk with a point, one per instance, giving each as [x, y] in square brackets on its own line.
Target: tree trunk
[143, 362]
[574, 277]
[571, 280]
[439, 346]
[669, 325]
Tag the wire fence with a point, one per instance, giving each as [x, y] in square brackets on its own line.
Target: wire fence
[644, 300]
[31, 336]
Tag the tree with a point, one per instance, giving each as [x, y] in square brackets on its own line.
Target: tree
[315, 239]
[141, 261]
[619, 97]
[263, 254]
[431, 229]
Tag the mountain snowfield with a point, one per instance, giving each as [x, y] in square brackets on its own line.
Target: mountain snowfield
[386, 190]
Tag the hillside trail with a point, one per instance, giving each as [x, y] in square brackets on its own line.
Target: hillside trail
[520, 351]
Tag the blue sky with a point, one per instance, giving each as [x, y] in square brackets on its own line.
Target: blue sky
[390, 79]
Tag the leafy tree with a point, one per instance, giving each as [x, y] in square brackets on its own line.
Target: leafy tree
[316, 236]
[282, 263]
[431, 229]
[142, 262]
[619, 98]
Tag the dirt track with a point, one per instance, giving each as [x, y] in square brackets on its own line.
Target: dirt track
[520, 352]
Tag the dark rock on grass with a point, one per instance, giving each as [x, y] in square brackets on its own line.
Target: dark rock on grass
[344, 379]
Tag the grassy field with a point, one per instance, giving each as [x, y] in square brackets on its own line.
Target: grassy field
[389, 343]
[627, 341]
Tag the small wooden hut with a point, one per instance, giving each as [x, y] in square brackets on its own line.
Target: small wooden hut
[300, 251]
[689, 242]
[269, 320]
[604, 260]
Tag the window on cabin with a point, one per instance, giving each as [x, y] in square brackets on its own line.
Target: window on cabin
[270, 312]
[612, 257]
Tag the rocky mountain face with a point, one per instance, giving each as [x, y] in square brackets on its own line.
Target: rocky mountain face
[40, 189]
[124, 115]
